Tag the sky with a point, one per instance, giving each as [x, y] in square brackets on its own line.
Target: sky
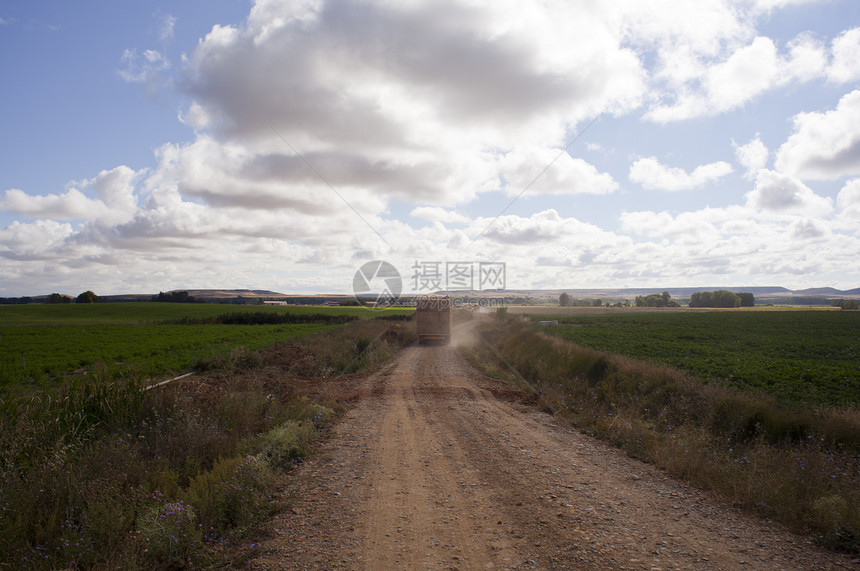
[283, 144]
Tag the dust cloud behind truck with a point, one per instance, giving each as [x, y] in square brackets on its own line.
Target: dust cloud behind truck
[433, 315]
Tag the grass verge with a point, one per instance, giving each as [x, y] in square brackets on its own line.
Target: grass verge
[797, 466]
[104, 474]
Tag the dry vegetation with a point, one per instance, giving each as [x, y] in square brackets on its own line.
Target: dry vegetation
[105, 474]
[798, 466]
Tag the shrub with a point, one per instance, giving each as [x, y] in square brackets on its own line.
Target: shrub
[171, 535]
[87, 297]
[231, 495]
[288, 444]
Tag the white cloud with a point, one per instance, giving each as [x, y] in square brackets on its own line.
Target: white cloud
[313, 108]
[196, 117]
[807, 59]
[730, 245]
[540, 230]
[234, 175]
[694, 84]
[551, 171]
[808, 229]
[728, 65]
[142, 69]
[420, 101]
[116, 201]
[781, 193]
[845, 66]
[748, 72]
[117, 188]
[770, 5]
[71, 205]
[441, 64]
[740, 243]
[39, 240]
[165, 32]
[702, 226]
[849, 199]
[653, 175]
[753, 156]
[646, 222]
[824, 145]
[436, 214]
[700, 28]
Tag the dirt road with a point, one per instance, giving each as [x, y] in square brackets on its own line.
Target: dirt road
[437, 467]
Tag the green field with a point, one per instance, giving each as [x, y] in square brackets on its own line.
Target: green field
[802, 357]
[46, 342]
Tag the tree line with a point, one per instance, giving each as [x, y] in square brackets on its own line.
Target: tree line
[176, 297]
[721, 298]
[656, 300]
[565, 300]
[85, 297]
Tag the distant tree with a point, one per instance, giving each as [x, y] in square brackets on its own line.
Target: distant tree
[57, 298]
[656, 300]
[597, 303]
[719, 298]
[564, 299]
[849, 304]
[645, 301]
[15, 300]
[87, 297]
[747, 299]
[174, 297]
[700, 299]
[725, 298]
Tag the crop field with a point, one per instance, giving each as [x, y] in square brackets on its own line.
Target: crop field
[46, 342]
[802, 357]
[97, 473]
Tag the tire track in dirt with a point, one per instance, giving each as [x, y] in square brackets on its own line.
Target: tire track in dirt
[416, 507]
[430, 471]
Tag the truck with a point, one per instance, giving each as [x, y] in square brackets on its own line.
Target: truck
[433, 314]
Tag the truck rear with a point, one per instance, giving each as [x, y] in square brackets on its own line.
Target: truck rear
[433, 314]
